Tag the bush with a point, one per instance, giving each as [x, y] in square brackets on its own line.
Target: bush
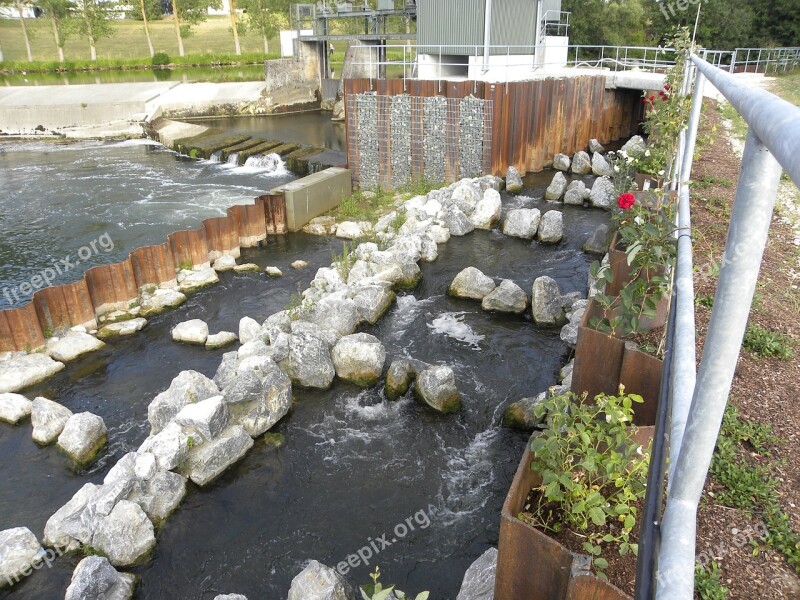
[160, 59]
[767, 343]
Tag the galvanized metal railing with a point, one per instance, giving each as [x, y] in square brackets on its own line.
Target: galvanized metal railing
[697, 399]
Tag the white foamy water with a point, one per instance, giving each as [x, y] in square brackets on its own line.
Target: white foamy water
[271, 164]
[452, 325]
[135, 143]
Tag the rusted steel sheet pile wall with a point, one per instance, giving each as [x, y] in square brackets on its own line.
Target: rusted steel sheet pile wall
[531, 121]
[106, 288]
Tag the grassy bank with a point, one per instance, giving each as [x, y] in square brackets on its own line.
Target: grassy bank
[127, 48]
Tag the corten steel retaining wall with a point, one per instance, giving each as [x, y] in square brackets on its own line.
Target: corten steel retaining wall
[106, 288]
[530, 122]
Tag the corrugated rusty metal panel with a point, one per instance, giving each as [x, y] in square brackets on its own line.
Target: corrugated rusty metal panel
[274, 213]
[188, 247]
[221, 237]
[641, 374]
[152, 265]
[64, 306]
[513, 24]
[7, 343]
[450, 22]
[24, 328]
[111, 286]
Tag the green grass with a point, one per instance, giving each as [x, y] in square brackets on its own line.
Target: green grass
[767, 343]
[208, 39]
[788, 87]
[738, 125]
[707, 582]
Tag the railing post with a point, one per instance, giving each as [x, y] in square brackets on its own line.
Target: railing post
[747, 237]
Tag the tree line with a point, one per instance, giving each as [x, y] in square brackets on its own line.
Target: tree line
[723, 24]
[93, 20]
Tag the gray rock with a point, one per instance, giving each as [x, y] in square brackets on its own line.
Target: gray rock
[187, 387]
[466, 196]
[399, 378]
[161, 496]
[487, 211]
[337, 314]
[254, 348]
[569, 332]
[634, 146]
[125, 536]
[61, 530]
[206, 417]
[25, 370]
[436, 386]
[14, 408]
[273, 271]
[83, 436]
[326, 335]
[595, 146]
[359, 359]
[513, 181]
[600, 166]
[520, 415]
[159, 300]
[349, 230]
[122, 328]
[220, 340]
[259, 415]
[457, 222]
[170, 446]
[224, 263]
[309, 362]
[599, 240]
[561, 162]
[551, 228]
[556, 188]
[581, 163]
[72, 345]
[507, 297]
[576, 193]
[565, 374]
[522, 223]
[209, 460]
[226, 371]
[245, 387]
[546, 305]
[478, 583]
[194, 331]
[471, 283]
[230, 597]
[199, 277]
[19, 551]
[299, 265]
[249, 330]
[95, 579]
[48, 419]
[372, 301]
[602, 194]
[318, 582]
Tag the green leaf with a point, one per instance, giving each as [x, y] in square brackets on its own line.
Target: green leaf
[600, 563]
[597, 515]
[630, 521]
[423, 596]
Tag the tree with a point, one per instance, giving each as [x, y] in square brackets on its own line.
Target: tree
[188, 13]
[723, 25]
[234, 26]
[59, 13]
[93, 22]
[778, 21]
[20, 5]
[266, 17]
[148, 10]
[611, 22]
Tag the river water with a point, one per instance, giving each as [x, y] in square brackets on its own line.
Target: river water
[353, 465]
[56, 199]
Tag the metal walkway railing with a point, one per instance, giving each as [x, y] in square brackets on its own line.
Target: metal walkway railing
[696, 400]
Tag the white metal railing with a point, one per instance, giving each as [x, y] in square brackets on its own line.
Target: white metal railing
[764, 60]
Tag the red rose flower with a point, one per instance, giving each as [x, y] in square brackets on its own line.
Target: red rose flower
[667, 87]
[626, 201]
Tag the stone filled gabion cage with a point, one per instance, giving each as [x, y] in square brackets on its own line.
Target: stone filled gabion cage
[394, 140]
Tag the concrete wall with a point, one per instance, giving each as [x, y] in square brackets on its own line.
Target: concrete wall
[314, 195]
[294, 80]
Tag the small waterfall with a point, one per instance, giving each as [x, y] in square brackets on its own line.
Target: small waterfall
[233, 159]
[271, 163]
[216, 157]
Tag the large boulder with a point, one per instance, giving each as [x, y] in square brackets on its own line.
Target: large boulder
[207, 418]
[602, 194]
[309, 362]
[209, 460]
[249, 330]
[24, 370]
[122, 328]
[83, 436]
[597, 243]
[187, 387]
[520, 414]
[95, 579]
[576, 193]
[399, 377]
[466, 196]
[634, 146]
[372, 300]
[170, 446]
[224, 263]
[19, 553]
[522, 223]
[551, 228]
[194, 279]
[556, 188]
[581, 163]
[600, 166]
[546, 302]
[457, 222]
[471, 283]
[66, 525]
[194, 331]
[561, 162]
[125, 536]
[487, 212]
[341, 315]
[436, 386]
[478, 583]
[160, 495]
[595, 146]
[48, 419]
[260, 403]
[159, 300]
[318, 582]
[359, 358]
[349, 230]
[220, 340]
[507, 297]
[14, 408]
[72, 345]
[569, 332]
[513, 181]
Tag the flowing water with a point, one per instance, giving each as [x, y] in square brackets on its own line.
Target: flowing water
[354, 466]
[56, 199]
